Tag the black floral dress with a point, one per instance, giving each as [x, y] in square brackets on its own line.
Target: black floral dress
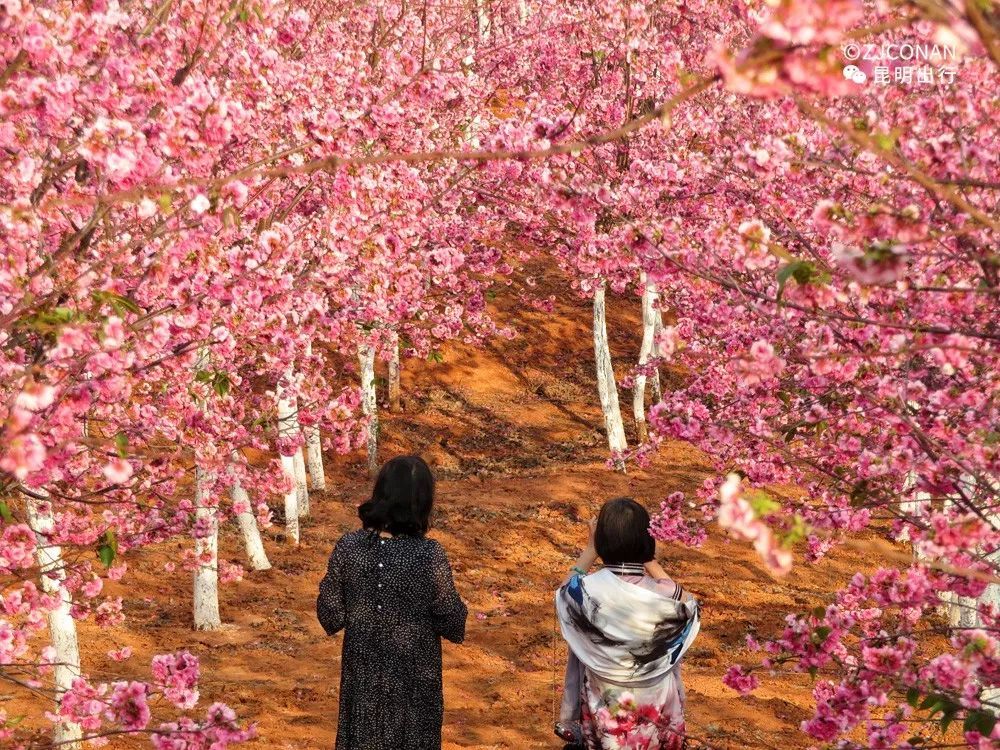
[395, 599]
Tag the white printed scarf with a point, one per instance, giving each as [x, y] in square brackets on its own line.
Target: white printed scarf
[623, 633]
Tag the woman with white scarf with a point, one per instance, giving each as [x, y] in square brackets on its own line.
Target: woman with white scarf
[627, 627]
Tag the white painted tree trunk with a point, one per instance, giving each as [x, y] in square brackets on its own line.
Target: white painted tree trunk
[62, 626]
[656, 388]
[395, 394]
[314, 458]
[649, 313]
[206, 575]
[607, 388]
[917, 504]
[483, 18]
[985, 498]
[247, 522]
[291, 501]
[314, 451]
[964, 611]
[298, 460]
[301, 483]
[286, 428]
[960, 610]
[991, 596]
[369, 404]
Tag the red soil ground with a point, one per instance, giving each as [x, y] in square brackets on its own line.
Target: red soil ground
[512, 432]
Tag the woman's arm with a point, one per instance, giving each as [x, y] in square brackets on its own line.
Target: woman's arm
[655, 570]
[588, 557]
[448, 611]
[330, 602]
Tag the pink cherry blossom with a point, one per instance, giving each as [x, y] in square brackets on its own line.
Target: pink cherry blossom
[117, 471]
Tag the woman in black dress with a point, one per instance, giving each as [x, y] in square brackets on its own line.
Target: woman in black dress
[391, 590]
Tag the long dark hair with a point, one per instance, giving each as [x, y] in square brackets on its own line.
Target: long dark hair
[622, 534]
[402, 498]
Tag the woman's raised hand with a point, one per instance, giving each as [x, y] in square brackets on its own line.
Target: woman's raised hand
[589, 554]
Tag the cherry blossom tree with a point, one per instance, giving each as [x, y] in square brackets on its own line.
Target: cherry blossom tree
[835, 297]
[210, 209]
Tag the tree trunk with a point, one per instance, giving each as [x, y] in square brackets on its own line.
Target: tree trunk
[656, 388]
[286, 430]
[964, 611]
[62, 626]
[247, 522]
[991, 596]
[483, 18]
[314, 458]
[395, 401]
[649, 313]
[301, 483]
[206, 575]
[607, 388]
[314, 450]
[970, 616]
[366, 357]
[298, 461]
[291, 501]
[916, 506]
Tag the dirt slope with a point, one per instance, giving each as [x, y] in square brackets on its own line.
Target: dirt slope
[513, 433]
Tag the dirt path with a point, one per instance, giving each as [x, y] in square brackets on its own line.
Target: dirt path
[512, 431]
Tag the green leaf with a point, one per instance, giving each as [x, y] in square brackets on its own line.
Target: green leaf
[5, 513]
[435, 356]
[886, 141]
[108, 548]
[220, 383]
[803, 271]
[762, 503]
[64, 314]
[913, 697]
[948, 717]
[820, 634]
[45, 320]
[786, 272]
[859, 494]
[121, 444]
[930, 700]
[977, 644]
[981, 721]
[798, 532]
[119, 304]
